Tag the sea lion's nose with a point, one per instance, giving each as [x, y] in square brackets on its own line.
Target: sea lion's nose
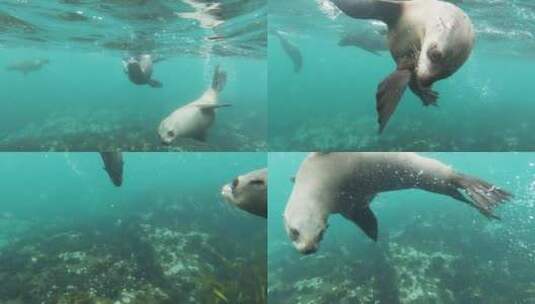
[308, 251]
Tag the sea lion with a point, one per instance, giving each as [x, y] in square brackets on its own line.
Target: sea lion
[248, 192]
[28, 66]
[370, 41]
[429, 40]
[193, 119]
[292, 51]
[139, 70]
[346, 183]
[113, 164]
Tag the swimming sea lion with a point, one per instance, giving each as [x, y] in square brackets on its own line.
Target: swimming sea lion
[113, 164]
[346, 183]
[429, 40]
[369, 40]
[248, 192]
[139, 70]
[292, 51]
[193, 119]
[28, 65]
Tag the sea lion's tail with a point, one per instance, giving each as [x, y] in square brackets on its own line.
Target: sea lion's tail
[219, 80]
[483, 195]
[387, 11]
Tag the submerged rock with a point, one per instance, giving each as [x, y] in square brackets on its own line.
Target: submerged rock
[145, 260]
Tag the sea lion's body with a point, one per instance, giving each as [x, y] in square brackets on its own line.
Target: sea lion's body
[292, 51]
[113, 164]
[195, 118]
[428, 39]
[27, 66]
[346, 183]
[139, 70]
[248, 192]
[368, 40]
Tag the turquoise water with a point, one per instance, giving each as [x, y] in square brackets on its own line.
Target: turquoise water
[82, 100]
[330, 104]
[431, 248]
[166, 236]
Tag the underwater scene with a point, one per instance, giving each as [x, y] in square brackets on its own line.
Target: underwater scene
[326, 69]
[164, 75]
[429, 248]
[148, 228]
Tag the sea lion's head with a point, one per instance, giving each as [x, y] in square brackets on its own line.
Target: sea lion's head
[167, 132]
[304, 219]
[444, 50]
[304, 229]
[248, 192]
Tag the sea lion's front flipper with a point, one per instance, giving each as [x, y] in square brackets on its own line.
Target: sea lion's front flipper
[483, 196]
[387, 11]
[427, 95]
[365, 219]
[211, 107]
[201, 136]
[389, 94]
[155, 83]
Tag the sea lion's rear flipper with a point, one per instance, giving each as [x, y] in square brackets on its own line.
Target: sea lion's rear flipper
[219, 79]
[365, 219]
[389, 94]
[483, 196]
[155, 83]
[201, 136]
[427, 95]
[386, 11]
[211, 107]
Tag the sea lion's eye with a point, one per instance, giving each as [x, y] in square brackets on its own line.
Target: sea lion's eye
[235, 183]
[434, 53]
[294, 234]
[171, 134]
[257, 182]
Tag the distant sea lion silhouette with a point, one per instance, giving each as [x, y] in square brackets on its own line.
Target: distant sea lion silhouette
[195, 118]
[139, 70]
[28, 66]
[370, 40]
[113, 164]
[292, 51]
[347, 183]
[429, 40]
[248, 192]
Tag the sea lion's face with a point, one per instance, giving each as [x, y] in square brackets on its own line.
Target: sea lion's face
[305, 230]
[167, 132]
[444, 52]
[248, 192]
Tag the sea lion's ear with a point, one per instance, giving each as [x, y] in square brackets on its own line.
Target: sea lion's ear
[365, 219]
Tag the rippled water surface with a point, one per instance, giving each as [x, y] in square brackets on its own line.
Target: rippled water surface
[79, 98]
